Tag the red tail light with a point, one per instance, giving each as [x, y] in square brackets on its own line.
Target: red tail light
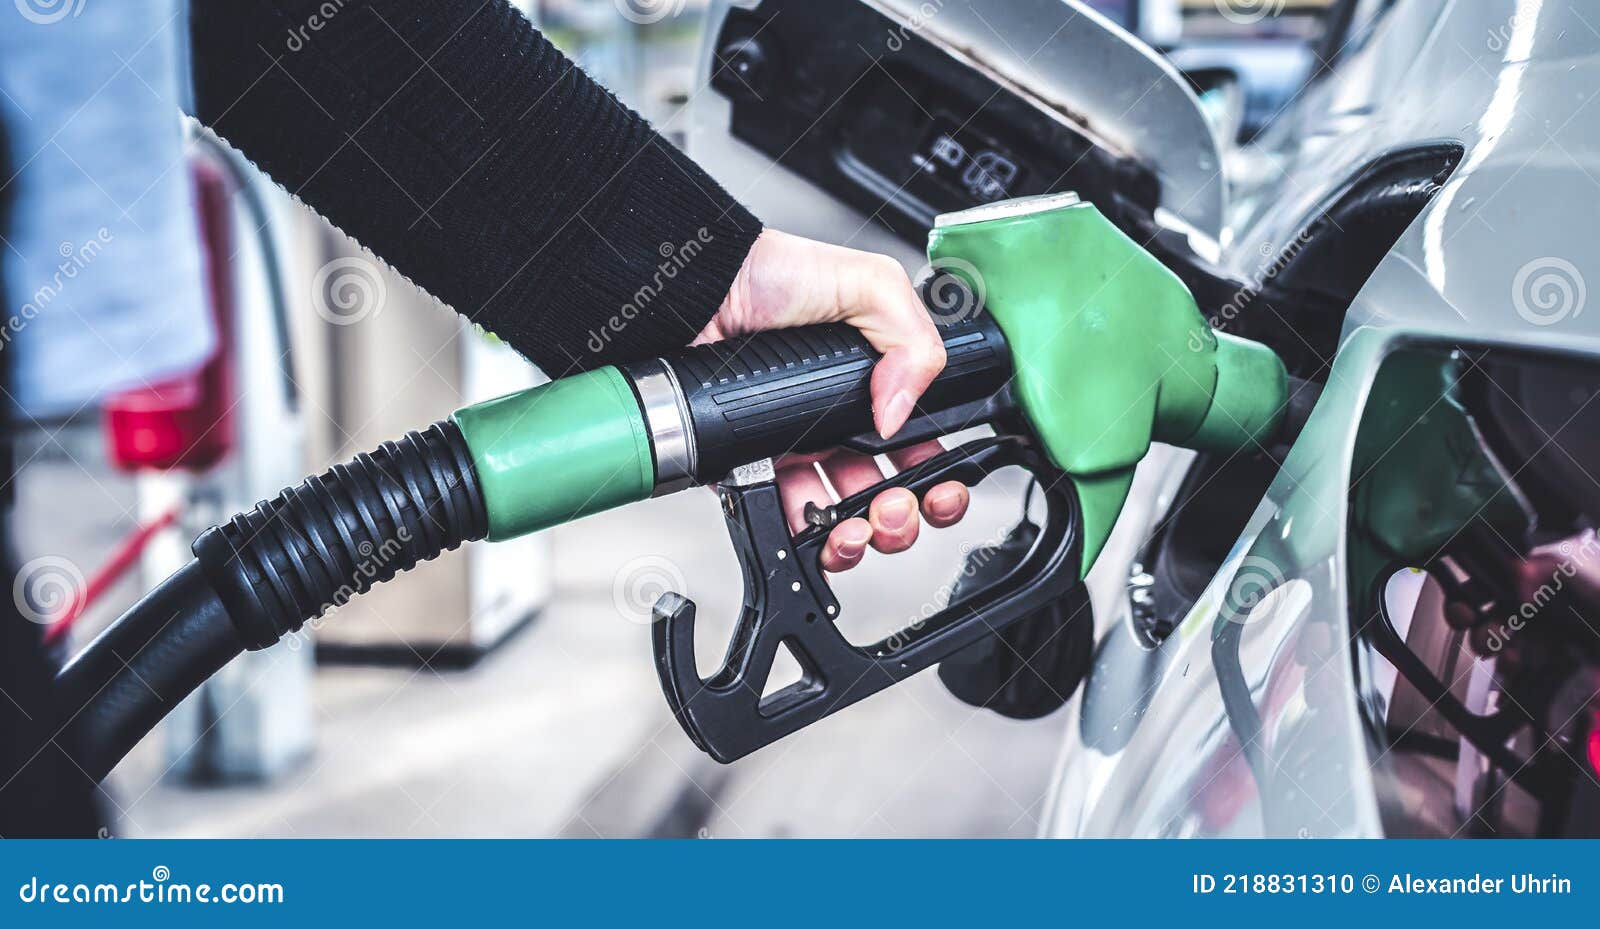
[184, 421]
[1594, 745]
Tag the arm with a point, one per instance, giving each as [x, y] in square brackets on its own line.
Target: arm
[453, 140]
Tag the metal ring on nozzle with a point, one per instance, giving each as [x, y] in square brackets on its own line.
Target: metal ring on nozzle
[1007, 209]
[667, 417]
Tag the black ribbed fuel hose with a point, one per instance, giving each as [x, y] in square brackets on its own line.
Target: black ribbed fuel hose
[261, 576]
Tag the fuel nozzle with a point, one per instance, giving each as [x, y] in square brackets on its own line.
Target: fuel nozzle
[1063, 328]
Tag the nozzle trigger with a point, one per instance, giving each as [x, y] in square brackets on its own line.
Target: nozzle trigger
[789, 604]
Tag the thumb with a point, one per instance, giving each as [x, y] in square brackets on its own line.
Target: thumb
[790, 281]
[877, 298]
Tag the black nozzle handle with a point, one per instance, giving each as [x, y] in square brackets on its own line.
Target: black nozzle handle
[808, 389]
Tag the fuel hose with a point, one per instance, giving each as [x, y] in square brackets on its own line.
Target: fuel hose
[261, 576]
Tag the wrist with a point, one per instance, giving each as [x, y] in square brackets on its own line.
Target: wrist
[735, 314]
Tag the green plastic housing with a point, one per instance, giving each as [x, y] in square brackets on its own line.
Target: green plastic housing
[560, 451]
[1111, 352]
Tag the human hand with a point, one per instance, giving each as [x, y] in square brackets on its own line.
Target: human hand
[790, 281]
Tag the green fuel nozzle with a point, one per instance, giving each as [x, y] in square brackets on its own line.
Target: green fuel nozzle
[1074, 343]
[1060, 326]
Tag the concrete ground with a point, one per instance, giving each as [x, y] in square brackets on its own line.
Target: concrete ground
[563, 731]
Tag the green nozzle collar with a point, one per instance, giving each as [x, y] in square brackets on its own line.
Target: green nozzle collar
[1247, 405]
[554, 453]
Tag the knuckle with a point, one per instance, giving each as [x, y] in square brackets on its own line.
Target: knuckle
[891, 285]
[928, 355]
[888, 269]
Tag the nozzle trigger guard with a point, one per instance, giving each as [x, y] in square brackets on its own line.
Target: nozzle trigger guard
[788, 603]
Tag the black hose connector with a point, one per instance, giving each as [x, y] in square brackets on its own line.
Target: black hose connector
[334, 536]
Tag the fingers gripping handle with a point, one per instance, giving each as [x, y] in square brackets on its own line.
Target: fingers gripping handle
[714, 409]
[788, 604]
[808, 389]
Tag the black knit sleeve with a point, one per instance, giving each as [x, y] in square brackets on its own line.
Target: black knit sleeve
[453, 140]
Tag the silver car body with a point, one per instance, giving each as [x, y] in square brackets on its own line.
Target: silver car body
[1512, 82]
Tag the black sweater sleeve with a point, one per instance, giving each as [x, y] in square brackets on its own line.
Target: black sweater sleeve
[453, 140]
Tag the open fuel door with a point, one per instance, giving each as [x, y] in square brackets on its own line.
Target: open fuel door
[904, 109]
